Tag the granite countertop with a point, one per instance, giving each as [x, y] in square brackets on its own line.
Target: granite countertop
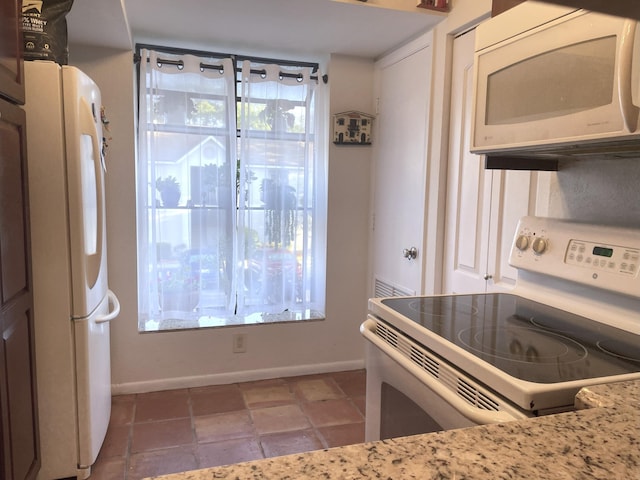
[600, 440]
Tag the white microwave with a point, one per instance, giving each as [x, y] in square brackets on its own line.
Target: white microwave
[551, 81]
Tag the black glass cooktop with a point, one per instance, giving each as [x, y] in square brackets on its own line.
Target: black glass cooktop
[523, 338]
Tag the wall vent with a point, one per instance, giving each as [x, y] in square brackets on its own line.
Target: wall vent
[384, 288]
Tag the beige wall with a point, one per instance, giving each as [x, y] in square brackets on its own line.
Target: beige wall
[153, 361]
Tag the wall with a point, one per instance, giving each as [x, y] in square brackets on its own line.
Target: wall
[154, 361]
[597, 191]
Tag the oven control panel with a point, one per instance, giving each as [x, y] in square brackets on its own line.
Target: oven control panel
[601, 256]
[615, 259]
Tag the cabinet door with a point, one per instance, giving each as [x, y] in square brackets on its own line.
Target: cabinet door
[468, 184]
[483, 206]
[513, 195]
[18, 405]
[11, 63]
[400, 167]
[19, 401]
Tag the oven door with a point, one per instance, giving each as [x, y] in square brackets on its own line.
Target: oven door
[412, 391]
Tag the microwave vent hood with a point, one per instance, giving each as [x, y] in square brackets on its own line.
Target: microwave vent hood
[554, 82]
[548, 158]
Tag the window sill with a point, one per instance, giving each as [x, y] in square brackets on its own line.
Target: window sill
[194, 321]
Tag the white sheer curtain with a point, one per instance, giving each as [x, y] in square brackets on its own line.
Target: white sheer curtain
[187, 143]
[245, 242]
[281, 208]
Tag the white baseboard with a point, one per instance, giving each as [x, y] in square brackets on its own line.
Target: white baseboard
[232, 377]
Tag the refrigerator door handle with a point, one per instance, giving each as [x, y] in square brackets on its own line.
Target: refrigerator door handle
[113, 301]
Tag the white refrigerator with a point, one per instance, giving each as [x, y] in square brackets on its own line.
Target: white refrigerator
[73, 305]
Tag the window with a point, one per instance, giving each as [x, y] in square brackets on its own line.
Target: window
[231, 184]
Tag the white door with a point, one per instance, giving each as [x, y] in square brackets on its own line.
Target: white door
[468, 184]
[403, 87]
[483, 206]
[513, 194]
[85, 176]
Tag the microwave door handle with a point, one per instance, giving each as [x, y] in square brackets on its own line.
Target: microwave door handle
[625, 74]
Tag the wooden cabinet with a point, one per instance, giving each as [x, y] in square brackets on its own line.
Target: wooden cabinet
[19, 440]
[621, 8]
[11, 71]
[437, 5]
[19, 443]
[499, 6]
[625, 8]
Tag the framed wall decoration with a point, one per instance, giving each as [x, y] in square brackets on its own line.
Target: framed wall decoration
[352, 128]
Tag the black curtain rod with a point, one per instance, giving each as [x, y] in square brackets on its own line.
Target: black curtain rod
[180, 64]
[220, 68]
[183, 51]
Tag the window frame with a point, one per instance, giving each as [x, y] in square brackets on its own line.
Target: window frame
[278, 136]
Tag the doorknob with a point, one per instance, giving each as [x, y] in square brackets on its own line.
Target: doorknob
[487, 276]
[410, 253]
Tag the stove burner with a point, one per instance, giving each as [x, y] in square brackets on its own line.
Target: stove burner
[616, 349]
[536, 322]
[522, 345]
[609, 346]
[442, 307]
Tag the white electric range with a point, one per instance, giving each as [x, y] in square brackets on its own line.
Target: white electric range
[450, 361]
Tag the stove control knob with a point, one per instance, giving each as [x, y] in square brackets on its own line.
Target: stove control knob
[539, 246]
[522, 242]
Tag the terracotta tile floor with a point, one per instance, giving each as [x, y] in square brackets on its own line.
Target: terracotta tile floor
[172, 431]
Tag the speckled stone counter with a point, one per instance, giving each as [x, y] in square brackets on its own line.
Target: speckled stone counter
[600, 440]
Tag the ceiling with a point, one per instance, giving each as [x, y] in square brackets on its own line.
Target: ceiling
[284, 27]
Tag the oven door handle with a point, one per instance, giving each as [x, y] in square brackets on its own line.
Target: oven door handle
[476, 415]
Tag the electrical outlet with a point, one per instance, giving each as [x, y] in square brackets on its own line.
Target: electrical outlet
[239, 343]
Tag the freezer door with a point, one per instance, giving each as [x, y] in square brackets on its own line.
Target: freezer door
[85, 177]
[93, 379]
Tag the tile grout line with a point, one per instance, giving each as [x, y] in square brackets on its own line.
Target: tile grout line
[254, 430]
[127, 457]
[194, 433]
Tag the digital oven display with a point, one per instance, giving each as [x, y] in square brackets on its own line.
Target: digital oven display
[603, 252]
